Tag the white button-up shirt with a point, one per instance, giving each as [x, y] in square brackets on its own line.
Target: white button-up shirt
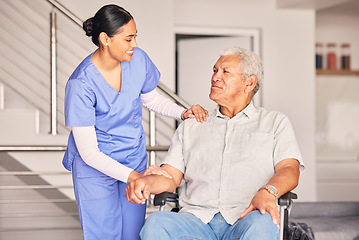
[225, 161]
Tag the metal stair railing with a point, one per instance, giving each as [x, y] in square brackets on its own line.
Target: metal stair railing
[152, 119]
[57, 101]
[54, 109]
[22, 201]
[79, 22]
[41, 173]
[152, 148]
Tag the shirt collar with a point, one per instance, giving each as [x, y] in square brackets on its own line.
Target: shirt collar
[248, 111]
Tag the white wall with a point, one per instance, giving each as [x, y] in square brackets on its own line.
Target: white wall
[287, 53]
[337, 105]
[338, 89]
[339, 29]
[154, 20]
[155, 25]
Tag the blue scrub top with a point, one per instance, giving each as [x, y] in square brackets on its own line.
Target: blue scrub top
[117, 116]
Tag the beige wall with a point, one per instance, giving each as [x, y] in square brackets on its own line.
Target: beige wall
[155, 27]
[287, 51]
[337, 105]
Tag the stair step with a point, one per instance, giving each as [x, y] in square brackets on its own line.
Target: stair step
[20, 127]
[18, 122]
[29, 209]
[70, 233]
[22, 229]
[36, 201]
[28, 213]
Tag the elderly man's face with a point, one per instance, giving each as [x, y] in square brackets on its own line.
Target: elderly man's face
[227, 81]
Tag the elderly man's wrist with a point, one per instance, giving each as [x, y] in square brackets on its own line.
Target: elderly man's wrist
[271, 190]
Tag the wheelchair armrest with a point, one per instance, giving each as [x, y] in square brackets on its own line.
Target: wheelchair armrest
[162, 198]
[285, 203]
[285, 199]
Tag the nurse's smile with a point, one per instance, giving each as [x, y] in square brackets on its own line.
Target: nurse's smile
[130, 53]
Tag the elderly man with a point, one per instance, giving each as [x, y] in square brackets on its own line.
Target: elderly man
[234, 166]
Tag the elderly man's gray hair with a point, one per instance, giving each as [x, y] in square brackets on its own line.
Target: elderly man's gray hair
[250, 63]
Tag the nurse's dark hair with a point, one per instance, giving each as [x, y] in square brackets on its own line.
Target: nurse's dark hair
[109, 19]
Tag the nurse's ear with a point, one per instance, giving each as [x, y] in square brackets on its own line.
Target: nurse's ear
[104, 39]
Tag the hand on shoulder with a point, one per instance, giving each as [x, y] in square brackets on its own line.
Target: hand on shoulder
[197, 112]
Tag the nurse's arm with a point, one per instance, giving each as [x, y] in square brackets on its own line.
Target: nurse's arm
[139, 190]
[162, 105]
[87, 146]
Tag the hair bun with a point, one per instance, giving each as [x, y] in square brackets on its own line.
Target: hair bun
[88, 26]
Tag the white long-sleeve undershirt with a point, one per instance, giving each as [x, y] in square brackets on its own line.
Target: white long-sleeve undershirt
[87, 145]
[159, 104]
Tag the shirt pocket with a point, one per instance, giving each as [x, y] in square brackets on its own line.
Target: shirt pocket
[256, 146]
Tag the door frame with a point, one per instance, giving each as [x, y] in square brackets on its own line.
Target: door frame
[253, 33]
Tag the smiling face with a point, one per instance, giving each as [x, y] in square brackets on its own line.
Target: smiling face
[122, 44]
[227, 84]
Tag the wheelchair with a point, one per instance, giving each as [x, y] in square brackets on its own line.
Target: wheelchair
[285, 202]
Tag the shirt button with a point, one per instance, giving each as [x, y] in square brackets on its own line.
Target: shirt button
[224, 174]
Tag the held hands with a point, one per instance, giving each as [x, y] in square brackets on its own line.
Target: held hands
[196, 111]
[264, 202]
[155, 170]
[138, 190]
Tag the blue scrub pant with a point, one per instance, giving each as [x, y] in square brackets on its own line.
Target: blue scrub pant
[186, 226]
[104, 212]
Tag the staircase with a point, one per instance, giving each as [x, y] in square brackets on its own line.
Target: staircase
[36, 195]
[36, 192]
[34, 204]
[25, 68]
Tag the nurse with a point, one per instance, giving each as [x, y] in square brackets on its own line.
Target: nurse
[103, 105]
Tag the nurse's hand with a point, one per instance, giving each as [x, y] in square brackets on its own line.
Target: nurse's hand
[155, 170]
[152, 170]
[196, 111]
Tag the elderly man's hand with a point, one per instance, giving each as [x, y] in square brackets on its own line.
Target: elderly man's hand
[137, 191]
[196, 111]
[264, 202]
